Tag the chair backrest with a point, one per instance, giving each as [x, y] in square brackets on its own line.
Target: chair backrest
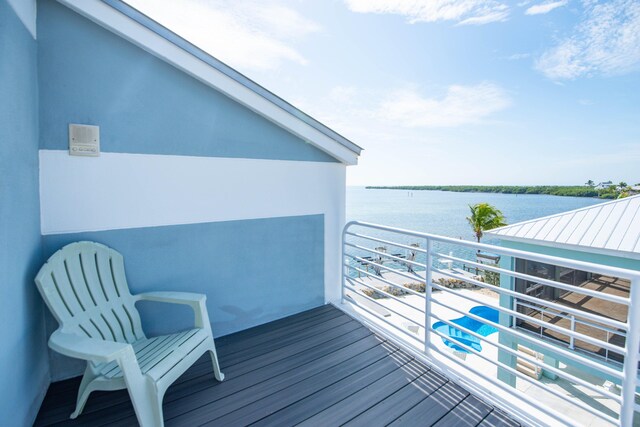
[85, 287]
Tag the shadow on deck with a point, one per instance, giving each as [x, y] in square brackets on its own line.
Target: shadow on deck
[319, 367]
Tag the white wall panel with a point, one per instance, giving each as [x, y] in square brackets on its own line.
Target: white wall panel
[117, 190]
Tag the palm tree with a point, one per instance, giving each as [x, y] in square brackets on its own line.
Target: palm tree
[590, 183]
[485, 217]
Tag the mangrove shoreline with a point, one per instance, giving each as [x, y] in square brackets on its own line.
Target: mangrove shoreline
[552, 190]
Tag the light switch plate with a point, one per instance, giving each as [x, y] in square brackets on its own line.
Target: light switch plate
[84, 140]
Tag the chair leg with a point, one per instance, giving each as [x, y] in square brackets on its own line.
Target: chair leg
[85, 389]
[148, 407]
[216, 366]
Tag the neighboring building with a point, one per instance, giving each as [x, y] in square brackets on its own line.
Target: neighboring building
[206, 182]
[607, 233]
[603, 185]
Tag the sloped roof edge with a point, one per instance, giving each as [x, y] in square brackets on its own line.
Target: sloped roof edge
[138, 28]
[611, 228]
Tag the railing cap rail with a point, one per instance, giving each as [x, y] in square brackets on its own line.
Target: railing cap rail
[549, 259]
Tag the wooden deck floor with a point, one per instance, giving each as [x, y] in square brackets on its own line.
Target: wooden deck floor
[319, 367]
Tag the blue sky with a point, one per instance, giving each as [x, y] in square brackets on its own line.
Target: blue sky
[444, 91]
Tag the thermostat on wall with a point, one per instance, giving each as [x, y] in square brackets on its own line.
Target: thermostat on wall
[84, 140]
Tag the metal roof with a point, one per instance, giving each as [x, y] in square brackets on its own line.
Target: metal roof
[611, 228]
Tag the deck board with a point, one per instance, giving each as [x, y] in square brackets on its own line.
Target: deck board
[336, 392]
[467, 413]
[434, 407]
[349, 407]
[396, 404]
[319, 367]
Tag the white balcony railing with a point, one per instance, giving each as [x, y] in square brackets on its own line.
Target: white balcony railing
[379, 260]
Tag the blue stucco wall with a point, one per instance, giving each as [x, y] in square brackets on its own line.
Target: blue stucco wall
[143, 105]
[252, 271]
[23, 361]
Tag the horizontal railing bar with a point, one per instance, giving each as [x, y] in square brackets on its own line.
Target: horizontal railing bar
[383, 267]
[386, 255]
[361, 295]
[601, 295]
[541, 343]
[609, 361]
[520, 295]
[387, 242]
[352, 279]
[382, 279]
[388, 282]
[523, 377]
[531, 359]
[593, 324]
[541, 323]
[586, 266]
[368, 310]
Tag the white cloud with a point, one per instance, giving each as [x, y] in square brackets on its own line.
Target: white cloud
[459, 106]
[546, 7]
[461, 11]
[381, 119]
[606, 42]
[249, 35]
[401, 144]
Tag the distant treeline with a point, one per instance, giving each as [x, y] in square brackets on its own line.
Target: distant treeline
[553, 190]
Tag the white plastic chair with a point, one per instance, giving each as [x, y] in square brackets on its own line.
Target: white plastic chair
[85, 287]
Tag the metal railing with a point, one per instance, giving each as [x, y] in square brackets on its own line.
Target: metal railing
[413, 313]
[574, 321]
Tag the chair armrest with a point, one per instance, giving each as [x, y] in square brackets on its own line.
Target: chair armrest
[96, 350]
[187, 298]
[196, 301]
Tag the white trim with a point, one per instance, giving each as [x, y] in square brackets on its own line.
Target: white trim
[109, 18]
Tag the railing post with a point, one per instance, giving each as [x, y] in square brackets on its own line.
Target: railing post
[506, 320]
[427, 298]
[343, 257]
[632, 345]
[572, 339]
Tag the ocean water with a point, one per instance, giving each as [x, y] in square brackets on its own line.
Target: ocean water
[444, 213]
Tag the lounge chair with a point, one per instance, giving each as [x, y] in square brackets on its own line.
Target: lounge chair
[85, 287]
